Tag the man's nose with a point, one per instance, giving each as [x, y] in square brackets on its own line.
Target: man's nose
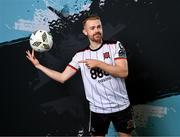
[97, 30]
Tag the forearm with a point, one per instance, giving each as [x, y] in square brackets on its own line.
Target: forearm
[52, 73]
[114, 70]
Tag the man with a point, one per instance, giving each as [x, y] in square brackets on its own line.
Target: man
[103, 66]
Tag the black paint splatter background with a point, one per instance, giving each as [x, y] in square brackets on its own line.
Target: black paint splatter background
[33, 104]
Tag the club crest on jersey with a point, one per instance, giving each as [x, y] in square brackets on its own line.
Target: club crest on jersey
[106, 55]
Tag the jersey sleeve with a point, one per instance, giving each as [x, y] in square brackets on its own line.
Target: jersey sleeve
[120, 52]
[74, 64]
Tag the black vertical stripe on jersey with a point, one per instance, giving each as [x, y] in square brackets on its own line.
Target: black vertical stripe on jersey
[112, 58]
[96, 87]
[114, 93]
[86, 75]
[100, 99]
[122, 99]
[107, 96]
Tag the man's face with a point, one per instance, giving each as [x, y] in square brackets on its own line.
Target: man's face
[93, 30]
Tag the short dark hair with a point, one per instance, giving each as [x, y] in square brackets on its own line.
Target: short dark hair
[90, 17]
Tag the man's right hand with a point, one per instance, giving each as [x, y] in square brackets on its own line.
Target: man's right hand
[32, 58]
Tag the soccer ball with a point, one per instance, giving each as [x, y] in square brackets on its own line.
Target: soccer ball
[41, 41]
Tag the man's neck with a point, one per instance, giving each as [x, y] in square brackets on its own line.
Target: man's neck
[95, 45]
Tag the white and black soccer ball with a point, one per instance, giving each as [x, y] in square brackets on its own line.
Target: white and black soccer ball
[41, 41]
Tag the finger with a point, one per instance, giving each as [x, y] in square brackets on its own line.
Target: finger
[28, 57]
[83, 61]
[88, 66]
[33, 52]
[28, 53]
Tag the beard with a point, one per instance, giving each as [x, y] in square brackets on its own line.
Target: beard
[97, 37]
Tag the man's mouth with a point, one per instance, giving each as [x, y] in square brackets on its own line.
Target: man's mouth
[97, 34]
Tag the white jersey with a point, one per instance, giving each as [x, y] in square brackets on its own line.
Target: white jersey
[105, 93]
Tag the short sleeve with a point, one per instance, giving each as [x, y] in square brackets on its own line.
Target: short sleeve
[74, 62]
[120, 51]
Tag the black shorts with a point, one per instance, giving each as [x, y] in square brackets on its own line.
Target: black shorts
[122, 121]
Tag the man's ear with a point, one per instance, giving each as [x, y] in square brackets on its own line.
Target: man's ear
[84, 32]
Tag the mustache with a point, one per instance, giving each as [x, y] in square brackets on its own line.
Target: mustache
[98, 33]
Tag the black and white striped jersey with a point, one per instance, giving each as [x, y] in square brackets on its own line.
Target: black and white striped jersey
[105, 93]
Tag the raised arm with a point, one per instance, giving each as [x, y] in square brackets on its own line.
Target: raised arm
[58, 76]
